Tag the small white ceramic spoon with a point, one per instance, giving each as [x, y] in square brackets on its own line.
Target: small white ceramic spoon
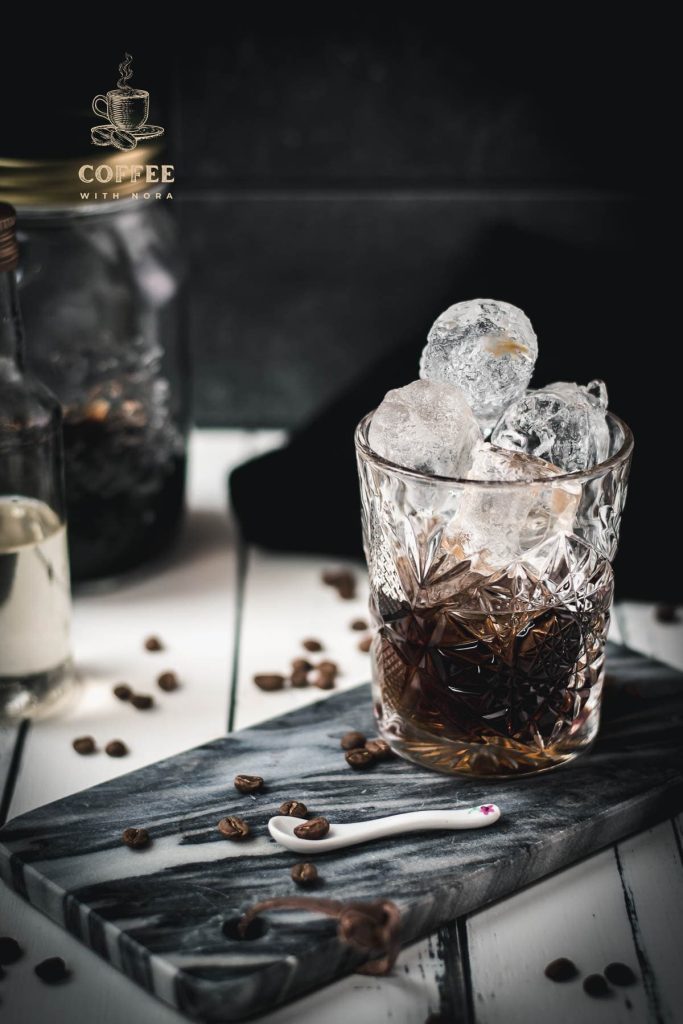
[282, 826]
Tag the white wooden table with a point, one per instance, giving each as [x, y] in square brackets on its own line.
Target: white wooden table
[225, 613]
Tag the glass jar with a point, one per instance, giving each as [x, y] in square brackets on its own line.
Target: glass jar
[491, 603]
[100, 289]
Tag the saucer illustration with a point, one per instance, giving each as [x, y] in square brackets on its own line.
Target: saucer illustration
[125, 111]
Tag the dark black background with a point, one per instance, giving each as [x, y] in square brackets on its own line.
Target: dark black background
[342, 182]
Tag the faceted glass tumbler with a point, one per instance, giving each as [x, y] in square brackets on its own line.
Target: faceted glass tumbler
[490, 604]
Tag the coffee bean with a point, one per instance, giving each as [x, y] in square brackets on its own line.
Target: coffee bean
[301, 665]
[52, 971]
[123, 691]
[10, 951]
[346, 588]
[136, 838]
[153, 643]
[360, 625]
[561, 969]
[365, 644]
[116, 748]
[666, 613]
[84, 745]
[331, 576]
[233, 828]
[343, 581]
[248, 783]
[168, 681]
[294, 808]
[351, 740]
[316, 828]
[311, 645]
[142, 701]
[596, 986]
[323, 680]
[379, 749]
[299, 678]
[360, 758]
[269, 681]
[620, 974]
[304, 874]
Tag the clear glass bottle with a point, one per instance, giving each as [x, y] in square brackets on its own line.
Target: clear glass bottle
[36, 671]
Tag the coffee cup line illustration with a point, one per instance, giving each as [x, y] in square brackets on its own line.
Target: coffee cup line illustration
[126, 111]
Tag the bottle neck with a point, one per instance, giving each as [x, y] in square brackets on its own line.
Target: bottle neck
[11, 327]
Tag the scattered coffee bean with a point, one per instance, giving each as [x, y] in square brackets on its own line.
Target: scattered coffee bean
[116, 748]
[365, 644]
[301, 665]
[666, 613]
[330, 668]
[10, 951]
[323, 680]
[304, 874]
[311, 645]
[248, 783]
[561, 969]
[360, 625]
[233, 828]
[123, 691]
[351, 740]
[153, 643]
[343, 581]
[269, 681]
[360, 758]
[620, 974]
[84, 745]
[596, 986]
[136, 838]
[142, 701]
[299, 678]
[379, 749]
[168, 681]
[316, 828]
[294, 808]
[52, 971]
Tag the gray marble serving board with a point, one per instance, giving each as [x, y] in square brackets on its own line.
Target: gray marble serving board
[159, 914]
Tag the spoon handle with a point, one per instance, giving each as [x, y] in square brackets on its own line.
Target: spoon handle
[418, 821]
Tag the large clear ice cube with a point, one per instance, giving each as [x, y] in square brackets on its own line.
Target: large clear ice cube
[488, 348]
[426, 426]
[563, 423]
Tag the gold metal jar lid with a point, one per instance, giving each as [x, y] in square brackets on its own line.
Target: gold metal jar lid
[54, 184]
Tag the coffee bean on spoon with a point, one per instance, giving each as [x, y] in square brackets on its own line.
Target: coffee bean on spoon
[84, 745]
[136, 838]
[233, 828]
[360, 758]
[294, 808]
[316, 828]
[304, 874]
[248, 783]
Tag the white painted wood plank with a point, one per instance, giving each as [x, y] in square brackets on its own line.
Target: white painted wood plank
[652, 876]
[285, 601]
[579, 913]
[644, 633]
[190, 602]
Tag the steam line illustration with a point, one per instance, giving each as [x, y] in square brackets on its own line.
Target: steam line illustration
[125, 110]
